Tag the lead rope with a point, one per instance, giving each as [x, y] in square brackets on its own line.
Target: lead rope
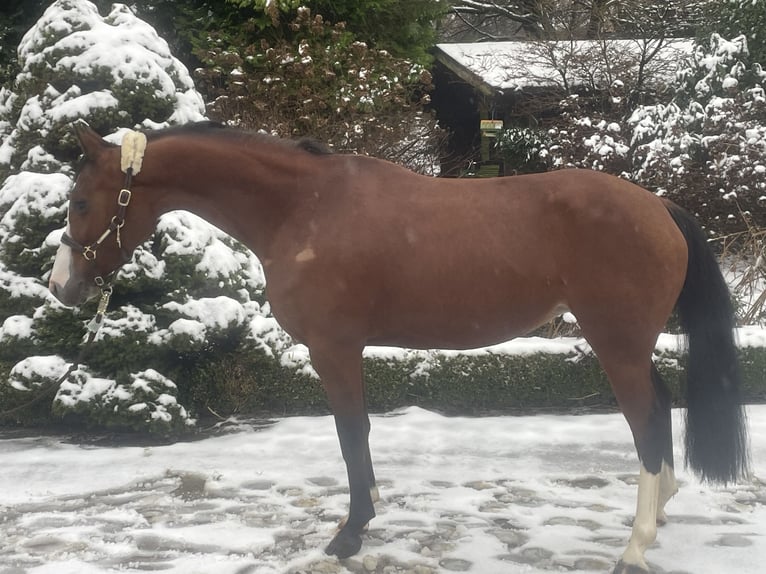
[49, 390]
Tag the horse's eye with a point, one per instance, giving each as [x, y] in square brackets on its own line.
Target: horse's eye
[78, 205]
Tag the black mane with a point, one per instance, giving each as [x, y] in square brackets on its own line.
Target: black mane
[215, 129]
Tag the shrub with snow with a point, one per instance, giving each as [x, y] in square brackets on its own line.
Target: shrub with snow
[704, 148]
[320, 81]
[707, 147]
[145, 400]
[524, 150]
[115, 72]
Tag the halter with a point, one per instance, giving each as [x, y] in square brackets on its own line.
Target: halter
[131, 158]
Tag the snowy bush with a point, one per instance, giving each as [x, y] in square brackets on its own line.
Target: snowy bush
[145, 400]
[191, 297]
[707, 146]
[734, 17]
[32, 205]
[704, 147]
[114, 71]
[323, 83]
[524, 150]
[589, 140]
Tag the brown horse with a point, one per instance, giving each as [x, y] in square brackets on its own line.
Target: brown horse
[358, 251]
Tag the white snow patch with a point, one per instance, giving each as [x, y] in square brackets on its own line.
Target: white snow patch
[16, 326]
[520, 65]
[479, 489]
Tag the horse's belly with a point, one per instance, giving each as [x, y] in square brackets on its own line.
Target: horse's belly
[472, 324]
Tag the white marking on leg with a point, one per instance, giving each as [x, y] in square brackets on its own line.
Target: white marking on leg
[645, 523]
[61, 266]
[668, 488]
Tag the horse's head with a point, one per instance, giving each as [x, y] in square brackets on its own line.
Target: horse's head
[100, 233]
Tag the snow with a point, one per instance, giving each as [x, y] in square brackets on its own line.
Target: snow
[185, 234]
[119, 44]
[521, 65]
[32, 194]
[130, 320]
[186, 329]
[213, 312]
[18, 286]
[29, 371]
[486, 495]
[71, 393]
[18, 326]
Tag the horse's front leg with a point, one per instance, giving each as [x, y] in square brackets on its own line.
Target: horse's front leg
[340, 369]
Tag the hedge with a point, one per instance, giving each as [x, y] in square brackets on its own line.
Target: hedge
[251, 382]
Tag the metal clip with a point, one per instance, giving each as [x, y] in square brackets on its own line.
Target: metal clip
[96, 322]
[106, 293]
[117, 223]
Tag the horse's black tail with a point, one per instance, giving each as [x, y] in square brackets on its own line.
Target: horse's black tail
[716, 432]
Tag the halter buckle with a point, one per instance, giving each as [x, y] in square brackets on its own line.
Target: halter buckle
[123, 199]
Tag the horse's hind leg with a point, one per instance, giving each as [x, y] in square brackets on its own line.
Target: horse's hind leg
[668, 485]
[668, 488]
[645, 402]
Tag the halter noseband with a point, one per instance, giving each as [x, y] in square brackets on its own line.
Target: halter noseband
[131, 158]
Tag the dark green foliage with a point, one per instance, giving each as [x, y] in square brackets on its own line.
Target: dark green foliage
[731, 18]
[20, 305]
[16, 17]
[524, 150]
[60, 331]
[150, 405]
[39, 414]
[185, 26]
[324, 83]
[18, 256]
[128, 353]
[249, 380]
[406, 28]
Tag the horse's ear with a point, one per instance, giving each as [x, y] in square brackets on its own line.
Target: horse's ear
[91, 143]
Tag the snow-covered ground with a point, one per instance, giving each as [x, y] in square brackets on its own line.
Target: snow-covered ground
[486, 495]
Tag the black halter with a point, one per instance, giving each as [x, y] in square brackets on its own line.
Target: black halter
[115, 225]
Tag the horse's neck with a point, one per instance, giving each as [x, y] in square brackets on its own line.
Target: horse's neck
[246, 190]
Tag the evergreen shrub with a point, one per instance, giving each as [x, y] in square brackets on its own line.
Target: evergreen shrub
[524, 150]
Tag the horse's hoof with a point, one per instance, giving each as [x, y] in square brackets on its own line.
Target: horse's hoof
[344, 544]
[623, 568]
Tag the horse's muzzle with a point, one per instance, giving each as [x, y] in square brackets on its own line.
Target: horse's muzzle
[72, 293]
